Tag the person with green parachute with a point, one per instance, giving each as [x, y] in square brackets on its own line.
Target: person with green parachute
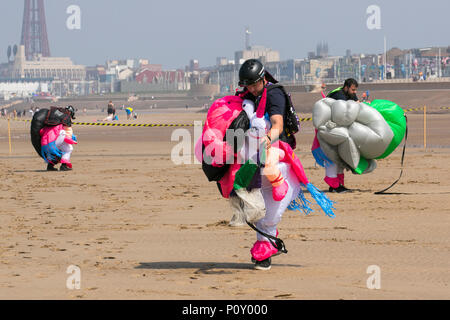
[354, 134]
[334, 172]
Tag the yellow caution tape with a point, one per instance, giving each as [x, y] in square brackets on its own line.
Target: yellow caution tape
[413, 109]
[109, 124]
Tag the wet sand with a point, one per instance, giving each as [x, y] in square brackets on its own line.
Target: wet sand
[140, 227]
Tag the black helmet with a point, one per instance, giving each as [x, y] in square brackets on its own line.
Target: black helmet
[251, 71]
[71, 111]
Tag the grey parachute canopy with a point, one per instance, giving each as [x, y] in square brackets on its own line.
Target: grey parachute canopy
[352, 133]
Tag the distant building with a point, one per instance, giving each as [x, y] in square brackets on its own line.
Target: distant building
[351, 67]
[221, 61]
[370, 67]
[311, 55]
[287, 71]
[147, 74]
[152, 78]
[96, 73]
[316, 70]
[226, 76]
[261, 53]
[194, 65]
[322, 50]
[46, 68]
[420, 64]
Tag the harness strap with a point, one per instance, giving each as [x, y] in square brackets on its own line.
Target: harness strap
[279, 244]
[403, 157]
[277, 179]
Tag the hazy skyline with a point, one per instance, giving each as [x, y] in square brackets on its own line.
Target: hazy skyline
[173, 32]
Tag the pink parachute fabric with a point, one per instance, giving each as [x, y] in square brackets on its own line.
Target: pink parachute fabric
[50, 134]
[50, 153]
[220, 116]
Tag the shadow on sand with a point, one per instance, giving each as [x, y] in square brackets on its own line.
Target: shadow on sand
[411, 193]
[23, 171]
[204, 267]
[395, 193]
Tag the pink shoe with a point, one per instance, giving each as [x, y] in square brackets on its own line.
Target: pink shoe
[332, 182]
[279, 192]
[66, 163]
[263, 250]
[341, 178]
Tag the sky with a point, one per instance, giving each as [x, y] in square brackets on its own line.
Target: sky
[172, 32]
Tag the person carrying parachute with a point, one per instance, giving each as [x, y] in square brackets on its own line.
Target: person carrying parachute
[334, 172]
[259, 126]
[238, 157]
[352, 134]
[52, 136]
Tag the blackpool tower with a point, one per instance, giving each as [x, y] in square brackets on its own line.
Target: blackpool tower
[34, 30]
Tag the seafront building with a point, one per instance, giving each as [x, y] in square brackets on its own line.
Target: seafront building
[42, 74]
[46, 67]
[61, 77]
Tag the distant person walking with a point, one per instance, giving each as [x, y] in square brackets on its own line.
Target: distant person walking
[129, 111]
[111, 110]
[365, 96]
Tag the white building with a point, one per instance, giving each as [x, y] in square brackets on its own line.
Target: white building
[21, 89]
[257, 52]
[46, 68]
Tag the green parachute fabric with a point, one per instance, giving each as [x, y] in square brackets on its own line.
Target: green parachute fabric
[395, 118]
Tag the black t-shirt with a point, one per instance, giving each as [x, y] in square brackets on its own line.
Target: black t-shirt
[111, 109]
[341, 95]
[275, 105]
[276, 102]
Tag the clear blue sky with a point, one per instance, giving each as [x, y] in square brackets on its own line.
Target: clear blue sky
[173, 32]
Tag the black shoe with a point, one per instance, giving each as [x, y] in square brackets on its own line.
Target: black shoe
[263, 265]
[64, 167]
[51, 167]
[340, 189]
[344, 189]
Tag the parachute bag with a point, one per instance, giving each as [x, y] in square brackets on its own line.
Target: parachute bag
[211, 172]
[214, 173]
[37, 123]
[56, 116]
[292, 121]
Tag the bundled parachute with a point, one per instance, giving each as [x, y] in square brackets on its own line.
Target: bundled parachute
[233, 153]
[219, 157]
[46, 128]
[37, 124]
[355, 134]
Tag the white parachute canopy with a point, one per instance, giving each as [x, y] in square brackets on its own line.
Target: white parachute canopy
[347, 130]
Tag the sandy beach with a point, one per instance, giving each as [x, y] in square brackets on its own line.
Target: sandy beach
[140, 227]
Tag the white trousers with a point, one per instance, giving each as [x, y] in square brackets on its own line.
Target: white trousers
[65, 148]
[275, 209]
[333, 170]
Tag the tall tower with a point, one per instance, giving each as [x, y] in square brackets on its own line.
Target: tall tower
[34, 29]
[247, 38]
